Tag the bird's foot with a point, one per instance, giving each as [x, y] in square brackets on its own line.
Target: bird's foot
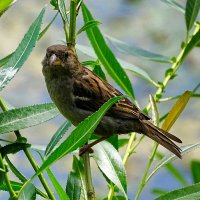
[85, 148]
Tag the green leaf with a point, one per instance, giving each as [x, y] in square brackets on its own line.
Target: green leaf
[47, 27]
[106, 56]
[192, 43]
[78, 169]
[4, 60]
[110, 163]
[29, 193]
[22, 52]
[15, 186]
[97, 70]
[191, 12]
[191, 192]
[171, 157]
[62, 9]
[90, 63]
[25, 117]
[176, 110]
[195, 169]
[175, 5]
[173, 170]
[57, 137]
[79, 136]
[54, 3]
[114, 141]
[88, 25]
[73, 187]
[158, 191]
[13, 148]
[135, 51]
[126, 66]
[5, 4]
[60, 191]
[15, 171]
[122, 142]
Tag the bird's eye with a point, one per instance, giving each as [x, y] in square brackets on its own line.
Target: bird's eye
[65, 56]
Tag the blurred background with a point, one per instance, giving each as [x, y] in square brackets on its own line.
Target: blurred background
[151, 25]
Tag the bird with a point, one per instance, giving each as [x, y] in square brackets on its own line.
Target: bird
[78, 92]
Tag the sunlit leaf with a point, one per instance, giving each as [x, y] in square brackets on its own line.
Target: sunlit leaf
[110, 163]
[176, 110]
[5, 4]
[29, 193]
[8, 71]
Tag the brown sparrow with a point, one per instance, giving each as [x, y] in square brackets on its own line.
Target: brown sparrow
[78, 92]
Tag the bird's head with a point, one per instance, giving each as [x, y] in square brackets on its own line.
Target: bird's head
[61, 57]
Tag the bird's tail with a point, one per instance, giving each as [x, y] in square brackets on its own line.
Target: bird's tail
[162, 137]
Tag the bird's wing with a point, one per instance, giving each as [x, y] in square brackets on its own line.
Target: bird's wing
[91, 92]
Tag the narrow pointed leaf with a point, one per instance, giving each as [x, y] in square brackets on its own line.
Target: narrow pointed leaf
[8, 71]
[15, 186]
[29, 193]
[195, 40]
[5, 4]
[57, 137]
[97, 70]
[106, 56]
[78, 169]
[175, 5]
[173, 170]
[25, 117]
[73, 188]
[135, 51]
[62, 9]
[60, 191]
[195, 169]
[171, 157]
[191, 12]
[176, 110]
[126, 66]
[47, 27]
[190, 192]
[110, 163]
[79, 136]
[88, 25]
[4, 60]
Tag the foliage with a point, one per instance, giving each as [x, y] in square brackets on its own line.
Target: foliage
[106, 154]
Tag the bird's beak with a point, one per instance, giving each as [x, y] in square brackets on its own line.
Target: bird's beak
[54, 60]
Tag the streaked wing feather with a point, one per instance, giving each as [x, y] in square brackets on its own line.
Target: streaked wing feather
[91, 92]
